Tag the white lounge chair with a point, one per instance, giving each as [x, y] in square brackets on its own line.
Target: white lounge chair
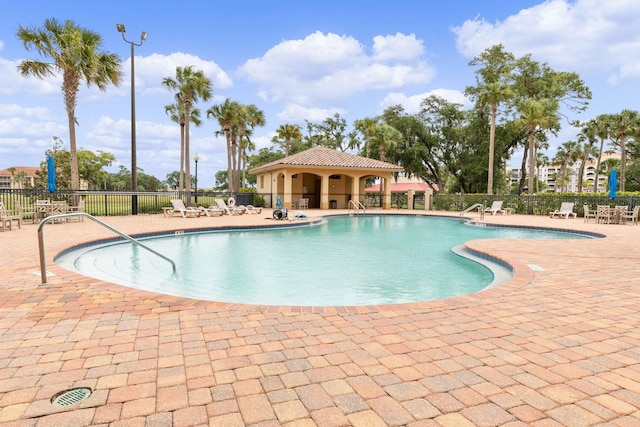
[496, 207]
[185, 212]
[211, 211]
[230, 210]
[253, 210]
[565, 210]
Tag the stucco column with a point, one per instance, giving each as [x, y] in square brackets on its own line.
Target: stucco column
[411, 193]
[428, 194]
[286, 197]
[386, 197]
[324, 192]
[355, 189]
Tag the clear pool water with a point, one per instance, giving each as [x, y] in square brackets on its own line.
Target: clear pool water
[358, 260]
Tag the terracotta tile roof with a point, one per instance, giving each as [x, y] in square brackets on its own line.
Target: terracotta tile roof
[30, 170]
[320, 156]
[402, 187]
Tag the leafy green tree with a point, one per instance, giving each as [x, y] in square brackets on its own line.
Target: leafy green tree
[76, 53]
[190, 86]
[222, 182]
[331, 132]
[92, 166]
[539, 93]
[493, 86]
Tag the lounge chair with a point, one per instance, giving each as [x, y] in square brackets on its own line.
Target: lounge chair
[185, 212]
[230, 210]
[565, 210]
[211, 211]
[253, 210]
[588, 214]
[496, 207]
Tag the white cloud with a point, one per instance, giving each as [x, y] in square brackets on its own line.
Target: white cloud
[12, 82]
[586, 36]
[295, 113]
[411, 103]
[325, 69]
[398, 47]
[9, 110]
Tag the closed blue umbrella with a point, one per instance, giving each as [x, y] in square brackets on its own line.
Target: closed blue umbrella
[613, 183]
[51, 175]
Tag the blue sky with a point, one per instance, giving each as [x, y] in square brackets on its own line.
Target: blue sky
[297, 60]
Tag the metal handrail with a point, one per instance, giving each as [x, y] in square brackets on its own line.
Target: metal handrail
[477, 205]
[357, 205]
[43, 267]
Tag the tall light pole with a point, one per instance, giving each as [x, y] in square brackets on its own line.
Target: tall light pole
[134, 165]
[195, 159]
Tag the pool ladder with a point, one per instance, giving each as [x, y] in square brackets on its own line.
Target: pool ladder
[470, 208]
[43, 266]
[356, 207]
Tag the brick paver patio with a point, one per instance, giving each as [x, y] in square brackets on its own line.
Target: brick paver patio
[558, 345]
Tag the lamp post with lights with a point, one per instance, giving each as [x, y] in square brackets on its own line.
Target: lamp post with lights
[134, 166]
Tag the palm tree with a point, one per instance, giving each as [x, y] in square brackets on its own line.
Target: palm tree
[190, 87]
[624, 124]
[536, 115]
[227, 114]
[587, 136]
[541, 160]
[386, 137]
[76, 53]
[176, 112]
[288, 132]
[250, 117]
[493, 88]
[567, 153]
[367, 127]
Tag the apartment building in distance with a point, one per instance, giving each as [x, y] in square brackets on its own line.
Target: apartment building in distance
[17, 177]
[550, 174]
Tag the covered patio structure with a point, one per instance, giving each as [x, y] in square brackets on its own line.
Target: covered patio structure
[328, 178]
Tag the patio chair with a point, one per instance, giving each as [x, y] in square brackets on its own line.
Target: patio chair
[496, 207]
[566, 209]
[26, 214]
[76, 209]
[58, 207]
[588, 214]
[603, 214]
[7, 218]
[186, 212]
[632, 215]
[303, 204]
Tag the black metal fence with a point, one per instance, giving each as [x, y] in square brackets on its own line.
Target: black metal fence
[531, 205]
[112, 203]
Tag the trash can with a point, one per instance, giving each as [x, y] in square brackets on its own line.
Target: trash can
[333, 204]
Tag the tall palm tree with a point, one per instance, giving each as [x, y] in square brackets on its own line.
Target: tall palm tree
[624, 124]
[536, 114]
[250, 117]
[190, 86]
[588, 137]
[288, 132]
[601, 130]
[176, 112]
[76, 53]
[227, 114]
[386, 137]
[541, 160]
[567, 154]
[367, 127]
[493, 88]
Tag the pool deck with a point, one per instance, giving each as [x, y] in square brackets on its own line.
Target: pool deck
[558, 345]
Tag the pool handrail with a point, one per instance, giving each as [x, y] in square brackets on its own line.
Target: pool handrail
[43, 267]
[470, 208]
[357, 205]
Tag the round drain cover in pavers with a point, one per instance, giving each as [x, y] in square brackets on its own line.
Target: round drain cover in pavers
[71, 397]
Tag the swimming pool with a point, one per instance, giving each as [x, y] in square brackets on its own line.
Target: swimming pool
[360, 260]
